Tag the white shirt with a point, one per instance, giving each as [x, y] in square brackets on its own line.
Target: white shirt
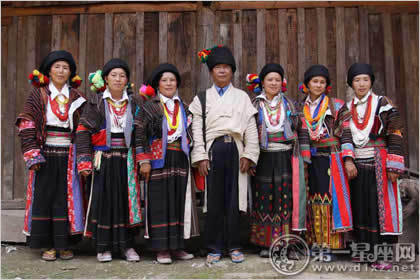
[273, 103]
[117, 123]
[170, 103]
[52, 119]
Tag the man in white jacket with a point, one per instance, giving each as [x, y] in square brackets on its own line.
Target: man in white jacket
[226, 155]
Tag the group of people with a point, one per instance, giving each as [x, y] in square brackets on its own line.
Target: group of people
[318, 167]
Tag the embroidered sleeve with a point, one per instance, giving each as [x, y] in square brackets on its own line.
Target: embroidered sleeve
[33, 157]
[143, 152]
[395, 163]
[305, 147]
[84, 142]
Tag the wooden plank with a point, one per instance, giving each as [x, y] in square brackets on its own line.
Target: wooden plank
[311, 45]
[109, 36]
[163, 37]
[101, 8]
[410, 46]
[180, 50]
[352, 45]
[44, 33]
[151, 45]
[83, 28]
[282, 39]
[125, 41]
[331, 48]
[139, 78]
[13, 204]
[225, 28]
[376, 43]
[272, 32]
[340, 53]
[248, 5]
[70, 35]
[5, 21]
[389, 59]
[206, 33]
[261, 46]
[95, 38]
[6, 178]
[364, 34]
[9, 113]
[322, 35]
[249, 45]
[400, 83]
[301, 42]
[292, 55]
[56, 33]
[238, 48]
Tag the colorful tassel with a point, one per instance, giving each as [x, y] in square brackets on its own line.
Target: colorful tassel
[284, 85]
[253, 83]
[203, 55]
[97, 84]
[303, 88]
[147, 92]
[76, 81]
[37, 79]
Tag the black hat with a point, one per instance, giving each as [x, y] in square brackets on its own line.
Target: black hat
[221, 55]
[158, 72]
[271, 67]
[358, 69]
[316, 70]
[115, 63]
[57, 56]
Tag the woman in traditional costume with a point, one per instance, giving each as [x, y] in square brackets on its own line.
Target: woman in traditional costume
[162, 147]
[327, 149]
[377, 136]
[279, 173]
[54, 207]
[105, 141]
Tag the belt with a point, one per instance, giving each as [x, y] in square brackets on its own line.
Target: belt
[224, 138]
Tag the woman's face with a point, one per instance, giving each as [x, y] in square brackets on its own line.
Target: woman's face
[361, 85]
[272, 83]
[168, 84]
[116, 80]
[60, 73]
[317, 86]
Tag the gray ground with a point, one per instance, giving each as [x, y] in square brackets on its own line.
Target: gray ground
[26, 263]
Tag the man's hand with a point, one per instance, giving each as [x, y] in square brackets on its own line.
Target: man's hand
[351, 169]
[203, 167]
[145, 169]
[245, 164]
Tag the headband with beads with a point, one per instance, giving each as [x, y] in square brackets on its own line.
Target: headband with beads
[147, 92]
[203, 55]
[304, 89]
[37, 79]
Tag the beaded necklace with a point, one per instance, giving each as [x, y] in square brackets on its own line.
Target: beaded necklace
[59, 107]
[364, 123]
[173, 118]
[273, 112]
[118, 111]
[314, 123]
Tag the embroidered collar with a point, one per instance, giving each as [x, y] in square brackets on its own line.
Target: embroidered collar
[166, 99]
[358, 101]
[107, 94]
[313, 103]
[277, 98]
[55, 92]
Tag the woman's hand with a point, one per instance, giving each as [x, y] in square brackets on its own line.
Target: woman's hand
[393, 176]
[145, 169]
[351, 169]
[35, 167]
[85, 173]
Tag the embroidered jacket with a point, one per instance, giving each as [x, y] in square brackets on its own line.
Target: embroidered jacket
[32, 130]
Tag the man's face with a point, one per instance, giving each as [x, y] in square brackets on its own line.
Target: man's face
[222, 75]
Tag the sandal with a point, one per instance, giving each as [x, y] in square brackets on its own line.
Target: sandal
[213, 258]
[49, 255]
[66, 254]
[237, 256]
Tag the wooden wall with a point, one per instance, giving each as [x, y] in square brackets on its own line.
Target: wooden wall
[295, 34]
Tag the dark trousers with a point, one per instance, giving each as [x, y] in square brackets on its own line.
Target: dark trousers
[222, 221]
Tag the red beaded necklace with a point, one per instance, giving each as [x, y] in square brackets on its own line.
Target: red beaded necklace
[55, 107]
[174, 116]
[355, 117]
